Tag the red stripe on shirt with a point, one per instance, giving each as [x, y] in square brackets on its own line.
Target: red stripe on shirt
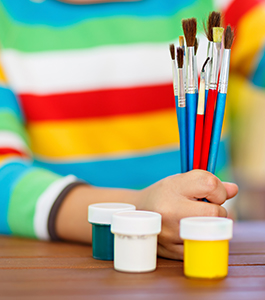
[95, 104]
[236, 10]
[4, 151]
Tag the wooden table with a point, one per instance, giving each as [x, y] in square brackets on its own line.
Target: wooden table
[42, 270]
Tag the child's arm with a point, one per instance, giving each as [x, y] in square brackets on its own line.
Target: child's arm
[27, 192]
[174, 197]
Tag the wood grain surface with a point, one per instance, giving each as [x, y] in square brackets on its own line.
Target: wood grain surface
[38, 270]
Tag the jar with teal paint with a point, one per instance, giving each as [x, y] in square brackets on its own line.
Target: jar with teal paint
[100, 215]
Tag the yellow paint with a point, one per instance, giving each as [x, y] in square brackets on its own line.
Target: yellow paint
[206, 259]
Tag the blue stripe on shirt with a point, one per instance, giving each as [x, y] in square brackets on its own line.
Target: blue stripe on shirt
[55, 13]
[10, 173]
[258, 77]
[134, 172]
[8, 101]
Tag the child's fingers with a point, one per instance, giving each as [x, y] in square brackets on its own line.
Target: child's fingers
[231, 189]
[201, 208]
[198, 184]
[187, 208]
[169, 235]
[172, 252]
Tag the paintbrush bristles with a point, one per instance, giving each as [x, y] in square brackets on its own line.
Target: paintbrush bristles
[217, 34]
[214, 20]
[181, 41]
[180, 55]
[196, 45]
[190, 27]
[172, 51]
[229, 37]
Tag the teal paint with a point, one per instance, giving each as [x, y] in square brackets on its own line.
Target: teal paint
[102, 242]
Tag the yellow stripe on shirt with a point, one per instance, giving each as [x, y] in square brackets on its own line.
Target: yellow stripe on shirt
[249, 40]
[2, 75]
[108, 136]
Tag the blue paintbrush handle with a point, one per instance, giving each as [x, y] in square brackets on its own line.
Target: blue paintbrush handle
[216, 133]
[191, 121]
[182, 123]
[176, 104]
[206, 96]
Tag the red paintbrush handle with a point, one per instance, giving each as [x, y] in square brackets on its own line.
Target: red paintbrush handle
[207, 130]
[198, 141]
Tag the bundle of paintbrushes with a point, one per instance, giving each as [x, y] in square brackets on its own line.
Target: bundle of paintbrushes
[200, 112]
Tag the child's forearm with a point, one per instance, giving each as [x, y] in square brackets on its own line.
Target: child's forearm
[72, 218]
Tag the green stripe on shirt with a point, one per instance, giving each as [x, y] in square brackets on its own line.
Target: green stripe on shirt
[9, 122]
[24, 199]
[89, 33]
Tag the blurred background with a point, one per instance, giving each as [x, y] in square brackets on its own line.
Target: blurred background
[246, 104]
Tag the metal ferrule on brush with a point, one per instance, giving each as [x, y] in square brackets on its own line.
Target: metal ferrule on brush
[181, 89]
[184, 66]
[175, 73]
[190, 82]
[224, 74]
[208, 66]
[215, 66]
[196, 73]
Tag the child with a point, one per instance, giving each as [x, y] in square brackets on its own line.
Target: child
[94, 99]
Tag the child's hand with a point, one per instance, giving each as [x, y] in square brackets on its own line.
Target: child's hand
[175, 197]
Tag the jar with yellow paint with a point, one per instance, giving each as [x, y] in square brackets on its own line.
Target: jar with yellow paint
[206, 246]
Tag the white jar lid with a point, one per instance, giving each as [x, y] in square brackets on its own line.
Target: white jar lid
[206, 228]
[101, 213]
[136, 223]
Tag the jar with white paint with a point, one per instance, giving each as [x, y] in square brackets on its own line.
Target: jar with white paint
[135, 240]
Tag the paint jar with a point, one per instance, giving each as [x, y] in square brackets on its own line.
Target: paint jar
[206, 246]
[99, 215]
[135, 240]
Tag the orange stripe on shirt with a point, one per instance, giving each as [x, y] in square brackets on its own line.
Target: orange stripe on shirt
[8, 156]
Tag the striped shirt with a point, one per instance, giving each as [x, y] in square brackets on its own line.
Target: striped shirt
[86, 90]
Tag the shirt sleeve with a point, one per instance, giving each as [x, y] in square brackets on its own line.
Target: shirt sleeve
[29, 196]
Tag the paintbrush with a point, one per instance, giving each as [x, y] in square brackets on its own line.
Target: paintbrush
[182, 45]
[189, 27]
[182, 117]
[196, 45]
[221, 99]
[214, 20]
[211, 99]
[199, 119]
[174, 72]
